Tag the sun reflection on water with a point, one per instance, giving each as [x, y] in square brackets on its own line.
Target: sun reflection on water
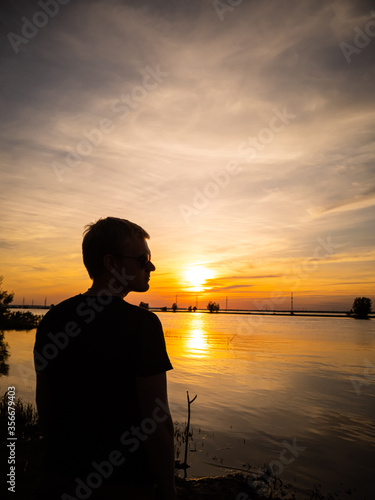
[197, 344]
[199, 337]
[196, 338]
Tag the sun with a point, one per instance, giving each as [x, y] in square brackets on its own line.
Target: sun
[196, 276]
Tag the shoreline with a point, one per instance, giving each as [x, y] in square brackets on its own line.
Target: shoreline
[317, 314]
[255, 312]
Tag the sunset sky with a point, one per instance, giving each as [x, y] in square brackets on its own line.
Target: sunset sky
[240, 135]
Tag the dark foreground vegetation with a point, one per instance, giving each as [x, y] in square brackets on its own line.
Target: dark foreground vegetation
[18, 320]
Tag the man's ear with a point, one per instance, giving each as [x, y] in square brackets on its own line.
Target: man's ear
[109, 262]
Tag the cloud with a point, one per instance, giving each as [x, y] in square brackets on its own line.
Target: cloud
[6, 244]
[359, 201]
[39, 269]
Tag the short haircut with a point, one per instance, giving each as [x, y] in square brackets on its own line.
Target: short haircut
[107, 236]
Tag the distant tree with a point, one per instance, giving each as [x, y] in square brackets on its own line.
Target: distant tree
[194, 308]
[361, 307]
[213, 306]
[144, 305]
[6, 298]
[18, 319]
[174, 307]
[190, 308]
[164, 309]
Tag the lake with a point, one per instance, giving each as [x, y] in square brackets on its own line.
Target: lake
[295, 392]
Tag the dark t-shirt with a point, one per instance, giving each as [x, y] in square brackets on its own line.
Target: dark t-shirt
[88, 353]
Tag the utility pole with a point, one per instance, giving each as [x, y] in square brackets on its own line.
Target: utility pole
[226, 303]
[176, 300]
[196, 301]
[291, 303]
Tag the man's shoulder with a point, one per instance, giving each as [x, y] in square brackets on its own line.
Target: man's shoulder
[65, 304]
[61, 308]
[87, 309]
[143, 315]
[68, 302]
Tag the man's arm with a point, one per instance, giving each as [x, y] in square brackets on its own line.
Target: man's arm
[153, 402]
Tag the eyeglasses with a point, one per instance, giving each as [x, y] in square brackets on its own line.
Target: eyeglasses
[142, 259]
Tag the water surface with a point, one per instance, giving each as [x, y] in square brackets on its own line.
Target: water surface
[296, 392]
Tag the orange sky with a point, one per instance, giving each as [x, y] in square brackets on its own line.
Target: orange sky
[240, 139]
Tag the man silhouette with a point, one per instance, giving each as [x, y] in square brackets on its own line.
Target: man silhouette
[101, 379]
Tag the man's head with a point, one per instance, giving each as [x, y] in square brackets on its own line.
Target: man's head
[116, 249]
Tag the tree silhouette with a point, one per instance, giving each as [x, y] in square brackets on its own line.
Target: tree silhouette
[17, 320]
[174, 307]
[4, 355]
[361, 307]
[213, 306]
[5, 299]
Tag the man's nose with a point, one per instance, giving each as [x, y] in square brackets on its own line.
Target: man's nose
[151, 266]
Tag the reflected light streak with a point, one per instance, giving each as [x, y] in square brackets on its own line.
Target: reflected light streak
[196, 341]
[197, 344]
